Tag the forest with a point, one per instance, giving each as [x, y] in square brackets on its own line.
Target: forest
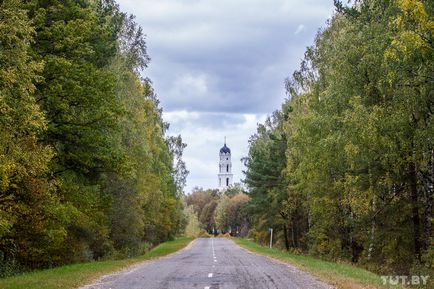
[87, 171]
[345, 169]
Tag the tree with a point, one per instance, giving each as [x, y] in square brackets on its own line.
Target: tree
[221, 215]
[31, 224]
[358, 123]
[237, 214]
[86, 168]
[193, 228]
[234, 189]
[180, 171]
[199, 198]
[206, 218]
[265, 178]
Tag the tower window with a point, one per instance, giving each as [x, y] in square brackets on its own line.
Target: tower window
[227, 182]
[227, 168]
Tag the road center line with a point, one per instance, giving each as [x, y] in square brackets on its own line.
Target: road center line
[206, 287]
[213, 253]
[210, 275]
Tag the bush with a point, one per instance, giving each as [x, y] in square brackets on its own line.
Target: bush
[204, 234]
[129, 251]
[419, 269]
[9, 267]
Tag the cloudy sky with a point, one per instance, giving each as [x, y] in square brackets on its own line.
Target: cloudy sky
[218, 67]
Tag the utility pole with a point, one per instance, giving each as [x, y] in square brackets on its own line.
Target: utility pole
[271, 237]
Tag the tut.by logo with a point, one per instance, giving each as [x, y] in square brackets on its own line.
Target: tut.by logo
[404, 280]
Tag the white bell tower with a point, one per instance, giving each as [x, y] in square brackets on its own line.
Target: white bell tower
[225, 168]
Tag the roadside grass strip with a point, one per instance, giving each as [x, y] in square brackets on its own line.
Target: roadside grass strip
[76, 275]
[341, 275]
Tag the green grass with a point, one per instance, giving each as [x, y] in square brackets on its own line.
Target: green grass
[76, 275]
[341, 275]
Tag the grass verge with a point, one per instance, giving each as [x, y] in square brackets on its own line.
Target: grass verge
[76, 275]
[341, 275]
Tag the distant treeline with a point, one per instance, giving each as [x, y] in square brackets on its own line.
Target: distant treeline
[86, 171]
[345, 169]
[214, 212]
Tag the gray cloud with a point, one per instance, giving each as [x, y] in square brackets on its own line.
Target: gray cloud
[214, 62]
[230, 46]
[183, 120]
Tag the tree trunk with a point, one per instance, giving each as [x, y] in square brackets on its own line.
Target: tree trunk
[428, 219]
[285, 229]
[373, 224]
[415, 210]
[372, 238]
[295, 230]
[285, 233]
[428, 181]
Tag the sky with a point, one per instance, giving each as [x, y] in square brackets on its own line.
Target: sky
[218, 68]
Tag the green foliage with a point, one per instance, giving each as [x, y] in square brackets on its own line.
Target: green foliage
[265, 178]
[237, 214]
[204, 203]
[86, 170]
[221, 211]
[358, 174]
[31, 217]
[234, 189]
[180, 171]
[222, 215]
[193, 227]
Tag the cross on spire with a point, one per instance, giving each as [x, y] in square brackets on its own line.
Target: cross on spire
[225, 140]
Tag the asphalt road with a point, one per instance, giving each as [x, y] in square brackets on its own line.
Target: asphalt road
[216, 263]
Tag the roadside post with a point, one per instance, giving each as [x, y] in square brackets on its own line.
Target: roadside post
[271, 237]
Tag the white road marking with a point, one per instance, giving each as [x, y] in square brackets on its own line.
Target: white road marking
[206, 287]
[210, 275]
[213, 252]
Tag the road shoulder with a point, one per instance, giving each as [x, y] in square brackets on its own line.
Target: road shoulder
[76, 275]
[340, 275]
